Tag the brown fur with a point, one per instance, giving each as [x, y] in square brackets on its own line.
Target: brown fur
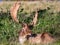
[40, 38]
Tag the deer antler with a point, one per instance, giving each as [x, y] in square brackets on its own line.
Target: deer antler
[35, 19]
[13, 11]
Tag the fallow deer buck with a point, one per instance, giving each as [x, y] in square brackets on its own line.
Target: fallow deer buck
[26, 34]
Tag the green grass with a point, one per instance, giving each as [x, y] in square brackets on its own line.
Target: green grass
[48, 21]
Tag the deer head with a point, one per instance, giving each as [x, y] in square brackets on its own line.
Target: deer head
[25, 30]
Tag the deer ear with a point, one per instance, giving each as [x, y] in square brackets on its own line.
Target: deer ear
[42, 36]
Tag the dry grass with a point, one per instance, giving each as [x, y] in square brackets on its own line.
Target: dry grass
[32, 6]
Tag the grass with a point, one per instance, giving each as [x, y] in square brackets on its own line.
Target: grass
[48, 20]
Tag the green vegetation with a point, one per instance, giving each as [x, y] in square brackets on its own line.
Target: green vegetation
[48, 21]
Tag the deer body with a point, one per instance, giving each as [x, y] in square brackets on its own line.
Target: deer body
[35, 40]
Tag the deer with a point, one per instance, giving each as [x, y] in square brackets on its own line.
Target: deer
[26, 34]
